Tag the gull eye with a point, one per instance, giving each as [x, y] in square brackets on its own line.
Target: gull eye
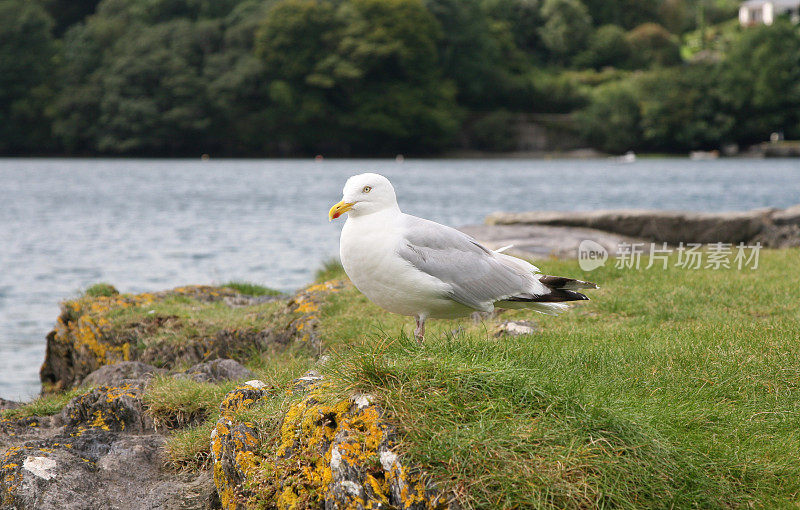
[366, 189]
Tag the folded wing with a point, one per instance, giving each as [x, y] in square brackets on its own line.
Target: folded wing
[477, 277]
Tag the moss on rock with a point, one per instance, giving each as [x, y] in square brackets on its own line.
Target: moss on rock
[326, 452]
[183, 326]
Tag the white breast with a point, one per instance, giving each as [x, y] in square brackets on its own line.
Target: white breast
[368, 249]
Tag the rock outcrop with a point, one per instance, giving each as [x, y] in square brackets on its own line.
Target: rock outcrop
[543, 241]
[217, 370]
[124, 372]
[773, 228]
[100, 452]
[86, 337]
[307, 447]
[328, 454]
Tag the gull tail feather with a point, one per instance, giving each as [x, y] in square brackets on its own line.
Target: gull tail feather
[557, 290]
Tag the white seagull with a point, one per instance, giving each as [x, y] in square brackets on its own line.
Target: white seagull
[413, 266]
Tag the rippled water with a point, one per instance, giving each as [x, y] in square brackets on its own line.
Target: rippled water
[154, 224]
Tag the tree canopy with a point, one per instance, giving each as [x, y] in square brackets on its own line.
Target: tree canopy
[376, 77]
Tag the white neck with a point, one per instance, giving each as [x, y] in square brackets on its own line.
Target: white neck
[390, 210]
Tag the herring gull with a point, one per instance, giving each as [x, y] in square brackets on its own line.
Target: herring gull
[416, 267]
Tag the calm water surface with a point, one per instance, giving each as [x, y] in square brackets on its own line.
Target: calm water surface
[154, 224]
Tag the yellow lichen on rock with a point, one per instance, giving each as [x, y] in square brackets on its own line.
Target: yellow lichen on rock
[308, 303]
[328, 451]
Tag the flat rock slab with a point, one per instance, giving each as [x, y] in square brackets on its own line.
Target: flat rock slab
[774, 228]
[544, 241]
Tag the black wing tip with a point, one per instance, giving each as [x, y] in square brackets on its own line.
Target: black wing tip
[562, 282]
[554, 296]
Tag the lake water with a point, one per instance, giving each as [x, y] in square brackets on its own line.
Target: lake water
[146, 225]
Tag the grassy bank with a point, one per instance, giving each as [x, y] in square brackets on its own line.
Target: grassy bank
[670, 388]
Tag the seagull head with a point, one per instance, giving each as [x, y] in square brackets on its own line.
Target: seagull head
[365, 194]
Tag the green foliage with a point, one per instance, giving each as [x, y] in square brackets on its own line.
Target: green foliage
[760, 82]
[27, 52]
[682, 109]
[177, 402]
[660, 110]
[474, 52]
[607, 46]
[331, 269]
[150, 90]
[612, 119]
[523, 19]
[566, 27]
[495, 131]
[66, 13]
[355, 75]
[624, 13]
[370, 77]
[651, 44]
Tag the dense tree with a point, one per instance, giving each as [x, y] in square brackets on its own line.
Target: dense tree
[469, 54]
[566, 28]
[760, 82]
[153, 91]
[238, 90]
[522, 19]
[66, 13]
[26, 65]
[611, 122]
[355, 75]
[651, 44]
[269, 77]
[607, 46]
[624, 13]
[682, 110]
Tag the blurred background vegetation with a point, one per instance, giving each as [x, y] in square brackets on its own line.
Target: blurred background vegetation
[379, 77]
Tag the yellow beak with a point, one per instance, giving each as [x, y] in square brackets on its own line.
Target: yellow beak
[339, 209]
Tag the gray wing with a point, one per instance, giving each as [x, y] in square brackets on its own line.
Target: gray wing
[476, 276]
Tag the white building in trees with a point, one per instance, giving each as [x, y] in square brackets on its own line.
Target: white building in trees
[764, 12]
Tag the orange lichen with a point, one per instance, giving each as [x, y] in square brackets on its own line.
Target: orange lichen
[300, 466]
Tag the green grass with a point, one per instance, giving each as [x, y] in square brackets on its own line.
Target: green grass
[101, 290]
[251, 289]
[331, 269]
[190, 409]
[175, 403]
[46, 405]
[178, 318]
[188, 449]
[671, 388]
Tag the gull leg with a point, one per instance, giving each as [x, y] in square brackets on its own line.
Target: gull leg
[419, 333]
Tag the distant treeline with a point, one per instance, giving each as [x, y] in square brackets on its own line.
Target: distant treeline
[375, 77]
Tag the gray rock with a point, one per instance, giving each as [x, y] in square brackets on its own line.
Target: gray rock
[8, 404]
[111, 408]
[218, 370]
[672, 227]
[128, 475]
[125, 372]
[544, 241]
[104, 456]
[790, 216]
